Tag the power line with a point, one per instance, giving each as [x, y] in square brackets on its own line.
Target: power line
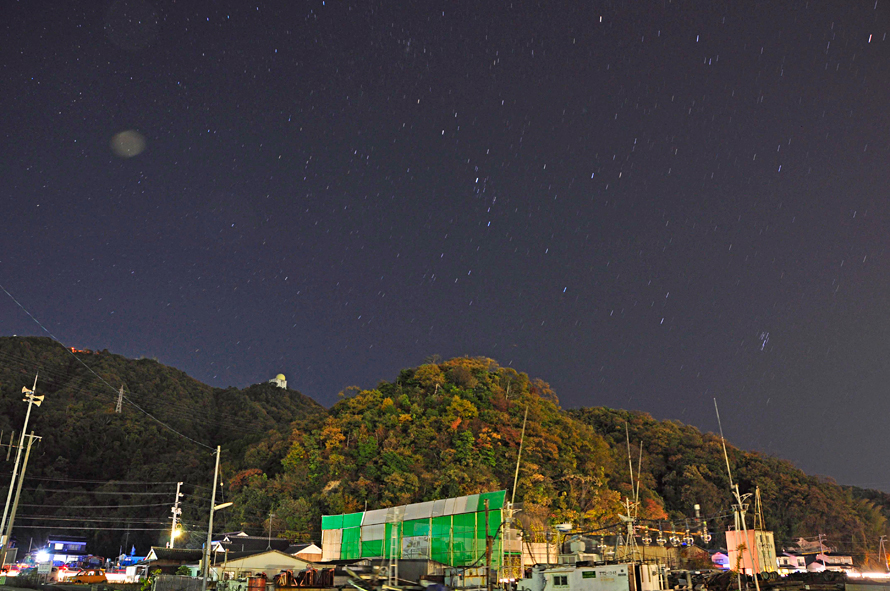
[111, 482]
[136, 521]
[94, 519]
[127, 482]
[79, 360]
[97, 528]
[62, 380]
[91, 506]
[99, 492]
[199, 499]
[181, 411]
[74, 491]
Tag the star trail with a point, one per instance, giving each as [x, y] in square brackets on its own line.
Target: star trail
[646, 204]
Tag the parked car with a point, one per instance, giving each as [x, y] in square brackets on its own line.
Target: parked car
[52, 576]
[89, 577]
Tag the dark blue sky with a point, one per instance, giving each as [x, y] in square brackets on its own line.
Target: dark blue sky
[646, 204]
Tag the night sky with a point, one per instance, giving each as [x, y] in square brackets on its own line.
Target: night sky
[647, 204]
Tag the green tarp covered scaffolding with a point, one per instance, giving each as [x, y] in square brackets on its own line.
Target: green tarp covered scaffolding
[450, 531]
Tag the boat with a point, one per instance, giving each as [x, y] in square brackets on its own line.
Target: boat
[625, 576]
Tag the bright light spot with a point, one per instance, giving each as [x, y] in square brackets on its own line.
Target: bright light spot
[127, 144]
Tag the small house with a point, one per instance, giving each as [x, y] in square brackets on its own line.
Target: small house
[788, 563]
[268, 563]
[309, 552]
[830, 562]
[168, 560]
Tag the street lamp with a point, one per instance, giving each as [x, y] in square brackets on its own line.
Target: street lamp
[175, 534]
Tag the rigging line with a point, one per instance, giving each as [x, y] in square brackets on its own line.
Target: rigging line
[79, 360]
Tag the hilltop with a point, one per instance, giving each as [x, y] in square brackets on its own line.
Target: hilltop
[442, 429]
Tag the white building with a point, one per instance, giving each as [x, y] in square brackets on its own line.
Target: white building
[279, 381]
[791, 563]
[241, 565]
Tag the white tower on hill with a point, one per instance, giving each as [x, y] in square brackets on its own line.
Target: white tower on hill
[279, 381]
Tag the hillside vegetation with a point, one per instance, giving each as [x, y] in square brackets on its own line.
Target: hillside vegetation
[453, 428]
[439, 430]
[112, 476]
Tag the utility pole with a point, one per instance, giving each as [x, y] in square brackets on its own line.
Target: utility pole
[15, 503]
[883, 552]
[176, 513]
[120, 401]
[10, 446]
[30, 398]
[213, 508]
[271, 517]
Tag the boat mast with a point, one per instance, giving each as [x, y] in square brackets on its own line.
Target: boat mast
[631, 505]
[513, 496]
[518, 458]
[740, 507]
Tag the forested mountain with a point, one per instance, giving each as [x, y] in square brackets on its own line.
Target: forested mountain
[112, 476]
[442, 429]
[452, 428]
